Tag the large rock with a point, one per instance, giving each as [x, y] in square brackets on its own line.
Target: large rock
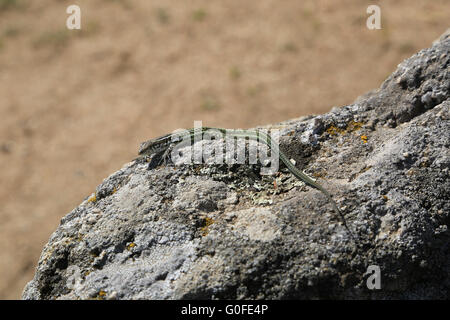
[219, 231]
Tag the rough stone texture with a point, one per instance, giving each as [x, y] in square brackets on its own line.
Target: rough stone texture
[225, 232]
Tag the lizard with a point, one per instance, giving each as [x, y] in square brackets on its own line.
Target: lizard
[161, 145]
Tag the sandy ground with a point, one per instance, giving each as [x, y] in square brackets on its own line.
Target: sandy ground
[74, 105]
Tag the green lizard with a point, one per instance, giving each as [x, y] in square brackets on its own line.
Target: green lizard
[163, 144]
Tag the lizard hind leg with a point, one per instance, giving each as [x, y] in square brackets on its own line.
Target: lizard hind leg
[160, 158]
[165, 157]
[155, 161]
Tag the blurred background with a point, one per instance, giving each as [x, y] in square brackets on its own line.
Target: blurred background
[75, 104]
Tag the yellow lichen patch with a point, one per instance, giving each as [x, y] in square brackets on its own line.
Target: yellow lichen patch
[425, 162]
[101, 294]
[204, 230]
[353, 126]
[319, 174]
[197, 170]
[364, 138]
[385, 197]
[290, 133]
[350, 127]
[93, 199]
[114, 190]
[334, 131]
[131, 246]
[79, 237]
